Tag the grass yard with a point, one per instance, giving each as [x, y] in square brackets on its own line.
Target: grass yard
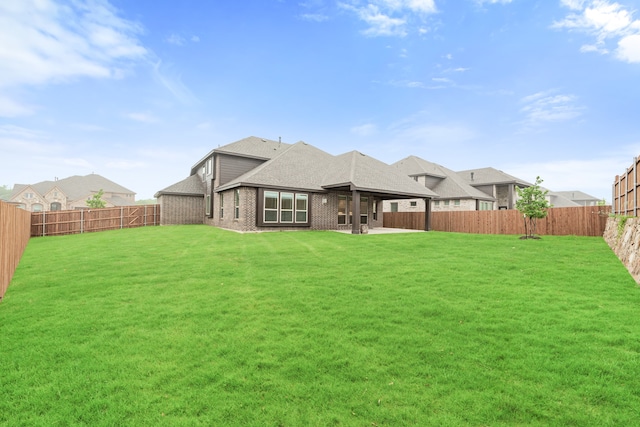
[192, 325]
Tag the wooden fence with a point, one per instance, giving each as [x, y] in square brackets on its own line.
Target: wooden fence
[578, 221]
[55, 223]
[626, 191]
[15, 225]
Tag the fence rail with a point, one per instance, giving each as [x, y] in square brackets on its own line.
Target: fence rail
[15, 225]
[578, 221]
[626, 191]
[56, 223]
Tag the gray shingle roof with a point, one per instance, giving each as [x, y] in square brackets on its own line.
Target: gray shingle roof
[450, 186]
[576, 195]
[485, 176]
[77, 187]
[191, 186]
[304, 166]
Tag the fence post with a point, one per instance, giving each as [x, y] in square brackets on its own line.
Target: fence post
[81, 221]
[44, 220]
[121, 216]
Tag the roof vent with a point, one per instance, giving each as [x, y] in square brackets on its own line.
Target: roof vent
[471, 176]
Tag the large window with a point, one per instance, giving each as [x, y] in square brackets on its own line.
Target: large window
[394, 206]
[207, 208]
[284, 208]
[55, 206]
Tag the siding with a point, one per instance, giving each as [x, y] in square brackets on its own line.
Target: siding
[231, 167]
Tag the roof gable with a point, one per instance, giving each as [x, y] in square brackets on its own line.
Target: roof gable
[485, 176]
[451, 185]
[191, 186]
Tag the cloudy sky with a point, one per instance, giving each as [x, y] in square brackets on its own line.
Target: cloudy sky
[138, 91]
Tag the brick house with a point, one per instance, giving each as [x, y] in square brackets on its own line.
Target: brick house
[257, 184]
[453, 191]
[70, 193]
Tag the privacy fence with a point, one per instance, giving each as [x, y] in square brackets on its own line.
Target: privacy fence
[55, 223]
[626, 191]
[578, 221]
[15, 226]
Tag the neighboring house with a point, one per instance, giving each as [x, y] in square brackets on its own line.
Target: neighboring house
[257, 185]
[495, 183]
[578, 197]
[70, 193]
[454, 193]
[557, 200]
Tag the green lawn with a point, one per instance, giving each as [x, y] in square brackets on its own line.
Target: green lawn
[192, 325]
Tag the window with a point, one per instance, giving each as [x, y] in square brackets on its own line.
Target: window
[446, 202]
[375, 210]
[271, 206]
[207, 207]
[55, 206]
[413, 204]
[284, 208]
[302, 209]
[344, 206]
[394, 206]
[364, 210]
[36, 207]
[456, 202]
[221, 205]
[436, 203]
[208, 166]
[415, 178]
[485, 206]
[28, 195]
[236, 204]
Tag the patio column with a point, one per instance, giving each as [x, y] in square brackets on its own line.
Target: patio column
[355, 218]
[427, 214]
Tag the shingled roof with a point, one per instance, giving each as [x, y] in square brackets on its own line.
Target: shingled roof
[191, 186]
[450, 184]
[78, 187]
[486, 176]
[306, 167]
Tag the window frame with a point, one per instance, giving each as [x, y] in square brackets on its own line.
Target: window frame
[291, 217]
[236, 204]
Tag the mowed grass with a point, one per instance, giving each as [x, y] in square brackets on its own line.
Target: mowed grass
[192, 325]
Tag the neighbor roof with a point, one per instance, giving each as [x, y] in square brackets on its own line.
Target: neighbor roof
[450, 184]
[576, 195]
[485, 176]
[77, 187]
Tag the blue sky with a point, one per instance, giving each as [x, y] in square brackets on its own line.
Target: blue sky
[138, 91]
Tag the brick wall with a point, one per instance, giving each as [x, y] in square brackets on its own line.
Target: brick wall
[181, 209]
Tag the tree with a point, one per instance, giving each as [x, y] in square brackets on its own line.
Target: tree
[533, 204]
[5, 192]
[96, 200]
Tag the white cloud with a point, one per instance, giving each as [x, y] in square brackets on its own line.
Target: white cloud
[314, 17]
[629, 48]
[175, 39]
[544, 107]
[604, 21]
[125, 164]
[44, 42]
[11, 108]
[173, 83]
[367, 129]
[143, 117]
[390, 17]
